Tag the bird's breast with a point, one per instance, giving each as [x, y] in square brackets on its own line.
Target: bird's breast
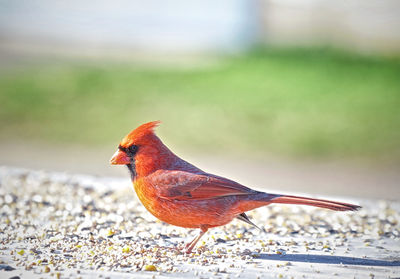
[186, 213]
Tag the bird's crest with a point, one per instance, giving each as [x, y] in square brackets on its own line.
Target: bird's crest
[139, 134]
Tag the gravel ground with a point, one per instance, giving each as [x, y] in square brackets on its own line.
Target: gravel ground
[56, 225]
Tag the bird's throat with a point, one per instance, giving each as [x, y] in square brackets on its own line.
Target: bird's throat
[132, 169]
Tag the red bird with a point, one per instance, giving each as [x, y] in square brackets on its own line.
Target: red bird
[181, 194]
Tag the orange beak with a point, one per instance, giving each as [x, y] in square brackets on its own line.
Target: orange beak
[120, 158]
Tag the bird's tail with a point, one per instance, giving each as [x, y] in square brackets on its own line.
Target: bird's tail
[338, 206]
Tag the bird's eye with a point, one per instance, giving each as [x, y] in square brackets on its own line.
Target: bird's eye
[132, 149]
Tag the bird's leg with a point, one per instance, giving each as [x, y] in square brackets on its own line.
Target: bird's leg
[191, 244]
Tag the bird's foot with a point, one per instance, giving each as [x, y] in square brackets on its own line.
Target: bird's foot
[188, 248]
[184, 249]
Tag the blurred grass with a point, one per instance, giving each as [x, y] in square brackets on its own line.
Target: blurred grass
[288, 102]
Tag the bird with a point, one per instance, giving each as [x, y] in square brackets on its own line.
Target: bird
[179, 193]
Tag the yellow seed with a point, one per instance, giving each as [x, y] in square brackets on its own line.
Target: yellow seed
[150, 267]
[46, 269]
[21, 252]
[239, 235]
[110, 232]
[58, 275]
[126, 249]
[78, 246]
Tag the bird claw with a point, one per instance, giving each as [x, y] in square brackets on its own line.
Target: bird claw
[184, 249]
[188, 248]
[187, 251]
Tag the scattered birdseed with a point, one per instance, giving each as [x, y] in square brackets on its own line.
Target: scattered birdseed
[65, 226]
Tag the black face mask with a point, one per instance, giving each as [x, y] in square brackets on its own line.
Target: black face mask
[131, 152]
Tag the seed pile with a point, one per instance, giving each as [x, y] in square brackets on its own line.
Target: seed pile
[59, 225]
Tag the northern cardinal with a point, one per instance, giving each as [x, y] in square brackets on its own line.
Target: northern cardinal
[181, 194]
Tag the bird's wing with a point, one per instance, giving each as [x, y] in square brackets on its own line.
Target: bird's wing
[181, 185]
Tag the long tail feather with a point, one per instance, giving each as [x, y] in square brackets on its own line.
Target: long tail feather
[338, 206]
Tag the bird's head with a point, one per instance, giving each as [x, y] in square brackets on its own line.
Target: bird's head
[139, 150]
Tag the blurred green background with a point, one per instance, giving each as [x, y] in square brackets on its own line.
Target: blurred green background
[295, 96]
[289, 102]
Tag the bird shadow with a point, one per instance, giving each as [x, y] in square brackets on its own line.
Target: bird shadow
[326, 259]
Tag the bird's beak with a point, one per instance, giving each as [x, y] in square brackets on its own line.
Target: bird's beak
[120, 158]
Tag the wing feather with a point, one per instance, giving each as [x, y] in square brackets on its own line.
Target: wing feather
[181, 185]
